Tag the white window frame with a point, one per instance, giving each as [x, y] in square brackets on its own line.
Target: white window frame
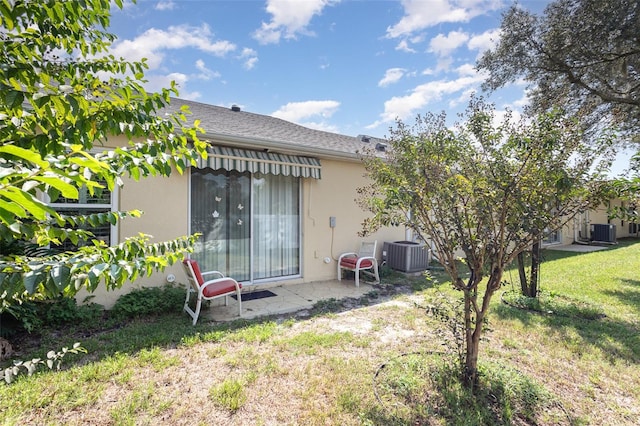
[112, 207]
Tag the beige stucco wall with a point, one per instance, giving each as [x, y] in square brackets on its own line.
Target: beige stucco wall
[165, 203]
[334, 195]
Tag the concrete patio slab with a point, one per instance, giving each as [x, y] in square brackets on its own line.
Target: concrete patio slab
[578, 248]
[288, 298]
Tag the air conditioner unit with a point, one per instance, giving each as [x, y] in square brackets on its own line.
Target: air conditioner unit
[603, 233]
[406, 256]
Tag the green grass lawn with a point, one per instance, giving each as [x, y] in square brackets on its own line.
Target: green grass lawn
[376, 365]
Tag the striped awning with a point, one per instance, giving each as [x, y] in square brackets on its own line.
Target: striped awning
[245, 160]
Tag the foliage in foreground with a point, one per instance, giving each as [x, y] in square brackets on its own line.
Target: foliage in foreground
[54, 360]
[63, 96]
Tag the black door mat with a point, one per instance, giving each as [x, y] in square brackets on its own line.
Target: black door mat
[255, 295]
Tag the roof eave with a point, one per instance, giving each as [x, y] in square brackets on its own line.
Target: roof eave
[247, 142]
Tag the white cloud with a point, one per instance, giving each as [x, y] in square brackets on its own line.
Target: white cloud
[157, 82]
[404, 107]
[442, 45]
[325, 127]
[519, 104]
[298, 111]
[267, 34]
[250, 58]
[462, 99]
[466, 70]
[288, 19]
[205, 73]
[250, 63]
[444, 63]
[484, 41]
[152, 43]
[165, 5]
[392, 75]
[404, 47]
[501, 115]
[421, 14]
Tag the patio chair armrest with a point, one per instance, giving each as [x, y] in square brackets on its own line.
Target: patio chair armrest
[224, 281]
[218, 280]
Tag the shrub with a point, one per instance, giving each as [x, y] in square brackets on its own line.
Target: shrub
[57, 312]
[66, 310]
[149, 301]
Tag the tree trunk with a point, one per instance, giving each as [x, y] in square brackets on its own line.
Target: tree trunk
[535, 268]
[524, 285]
[472, 346]
[473, 326]
[530, 287]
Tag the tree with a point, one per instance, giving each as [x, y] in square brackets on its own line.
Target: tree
[482, 191]
[581, 55]
[61, 97]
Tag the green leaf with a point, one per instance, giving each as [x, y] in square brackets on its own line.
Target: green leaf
[14, 98]
[9, 211]
[62, 126]
[6, 19]
[89, 162]
[27, 201]
[61, 276]
[31, 279]
[25, 154]
[67, 190]
[115, 271]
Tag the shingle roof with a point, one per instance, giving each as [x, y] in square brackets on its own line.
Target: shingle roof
[249, 130]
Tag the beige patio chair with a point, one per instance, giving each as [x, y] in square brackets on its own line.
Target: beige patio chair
[363, 261]
[208, 290]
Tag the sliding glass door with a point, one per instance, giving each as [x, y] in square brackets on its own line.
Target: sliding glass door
[250, 224]
[276, 225]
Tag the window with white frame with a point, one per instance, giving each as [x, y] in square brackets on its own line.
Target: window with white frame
[101, 201]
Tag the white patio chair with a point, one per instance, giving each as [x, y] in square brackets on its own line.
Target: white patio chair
[208, 290]
[363, 261]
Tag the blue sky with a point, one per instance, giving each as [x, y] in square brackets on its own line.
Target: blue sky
[347, 66]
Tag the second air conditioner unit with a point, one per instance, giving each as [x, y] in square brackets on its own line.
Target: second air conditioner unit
[603, 233]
